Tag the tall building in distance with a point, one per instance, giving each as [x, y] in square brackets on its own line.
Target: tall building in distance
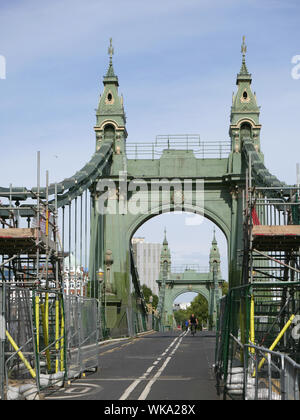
[147, 260]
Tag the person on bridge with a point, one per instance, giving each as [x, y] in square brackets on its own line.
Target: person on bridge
[186, 325]
[193, 321]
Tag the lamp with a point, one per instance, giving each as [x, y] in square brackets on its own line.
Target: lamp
[100, 275]
[101, 297]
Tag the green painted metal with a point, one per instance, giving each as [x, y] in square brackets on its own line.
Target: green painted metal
[223, 178]
[173, 284]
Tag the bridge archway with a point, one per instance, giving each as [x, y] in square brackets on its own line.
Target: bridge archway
[186, 273]
[182, 302]
[223, 176]
[181, 290]
[212, 215]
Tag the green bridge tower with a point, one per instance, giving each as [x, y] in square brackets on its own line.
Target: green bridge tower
[139, 188]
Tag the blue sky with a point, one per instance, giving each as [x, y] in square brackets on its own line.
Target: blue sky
[176, 61]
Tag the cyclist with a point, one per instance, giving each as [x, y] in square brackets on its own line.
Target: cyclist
[193, 321]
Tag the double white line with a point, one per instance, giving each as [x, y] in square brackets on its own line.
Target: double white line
[147, 388]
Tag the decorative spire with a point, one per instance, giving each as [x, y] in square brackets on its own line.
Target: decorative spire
[244, 75]
[244, 69]
[110, 51]
[110, 75]
[214, 255]
[214, 241]
[244, 48]
[165, 242]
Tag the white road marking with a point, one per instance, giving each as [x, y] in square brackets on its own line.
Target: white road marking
[129, 390]
[147, 389]
[84, 388]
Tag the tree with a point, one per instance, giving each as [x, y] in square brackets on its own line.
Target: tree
[225, 287]
[180, 316]
[147, 292]
[198, 307]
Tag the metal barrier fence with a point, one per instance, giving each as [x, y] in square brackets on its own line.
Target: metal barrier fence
[17, 355]
[33, 341]
[130, 323]
[221, 331]
[264, 314]
[47, 337]
[233, 321]
[270, 375]
[82, 328]
[266, 375]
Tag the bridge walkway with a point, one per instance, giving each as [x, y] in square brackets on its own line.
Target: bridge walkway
[167, 366]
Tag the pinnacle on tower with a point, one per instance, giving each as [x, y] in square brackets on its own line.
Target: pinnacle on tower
[214, 255]
[165, 242]
[243, 75]
[110, 114]
[214, 241]
[244, 116]
[110, 75]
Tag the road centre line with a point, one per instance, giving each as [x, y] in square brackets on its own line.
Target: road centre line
[146, 391]
[147, 388]
[178, 344]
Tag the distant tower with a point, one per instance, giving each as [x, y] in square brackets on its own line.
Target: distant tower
[110, 114]
[215, 270]
[214, 255]
[244, 117]
[165, 269]
[165, 257]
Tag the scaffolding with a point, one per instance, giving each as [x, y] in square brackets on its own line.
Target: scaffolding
[271, 256]
[32, 339]
[264, 310]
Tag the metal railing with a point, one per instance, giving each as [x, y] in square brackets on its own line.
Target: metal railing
[81, 334]
[257, 347]
[186, 142]
[266, 375]
[276, 211]
[270, 375]
[189, 267]
[272, 233]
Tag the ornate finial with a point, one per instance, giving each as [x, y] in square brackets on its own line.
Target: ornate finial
[214, 241]
[244, 70]
[244, 47]
[165, 242]
[110, 51]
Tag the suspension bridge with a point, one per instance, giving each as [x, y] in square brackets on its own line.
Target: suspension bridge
[53, 337]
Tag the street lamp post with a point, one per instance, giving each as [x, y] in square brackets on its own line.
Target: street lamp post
[151, 311]
[100, 276]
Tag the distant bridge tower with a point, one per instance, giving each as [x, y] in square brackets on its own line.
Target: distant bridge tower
[189, 279]
[216, 291]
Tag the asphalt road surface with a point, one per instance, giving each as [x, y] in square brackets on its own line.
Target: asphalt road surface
[168, 366]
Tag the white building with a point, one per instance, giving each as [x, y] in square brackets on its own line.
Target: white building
[75, 277]
[147, 259]
[181, 305]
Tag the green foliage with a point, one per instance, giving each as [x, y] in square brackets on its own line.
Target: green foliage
[225, 287]
[180, 316]
[147, 293]
[199, 307]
